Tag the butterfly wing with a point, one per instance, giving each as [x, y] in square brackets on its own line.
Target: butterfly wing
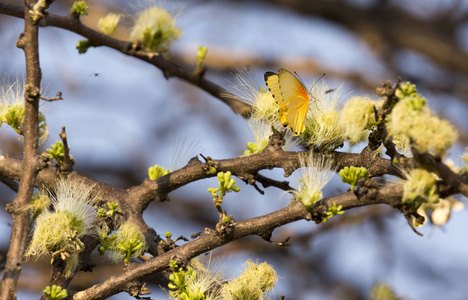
[272, 82]
[295, 98]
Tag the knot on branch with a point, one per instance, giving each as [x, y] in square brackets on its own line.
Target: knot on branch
[366, 188]
[210, 167]
[276, 141]
[319, 212]
[42, 162]
[20, 41]
[32, 93]
[170, 244]
[135, 289]
[225, 226]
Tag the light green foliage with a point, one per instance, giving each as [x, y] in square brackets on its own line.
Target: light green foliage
[173, 264]
[406, 89]
[106, 242]
[168, 235]
[201, 57]
[381, 291]
[79, 8]
[253, 284]
[333, 211]
[83, 46]
[155, 28]
[254, 148]
[13, 115]
[12, 108]
[55, 292]
[180, 285]
[101, 212]
[130, 242]
[351, 175]
[108, 213]
[112, 208]
[129, 247]
[420, 188]
[156, 172]
[226, 184]
[108, 24]
[56, 151]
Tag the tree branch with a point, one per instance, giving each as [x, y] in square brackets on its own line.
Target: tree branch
[28, 41]
[168, 68]
[212, 239]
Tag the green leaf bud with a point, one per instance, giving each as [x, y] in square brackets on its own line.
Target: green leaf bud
[55, 292]
[79, 8]
[83, 46]
[351, 175]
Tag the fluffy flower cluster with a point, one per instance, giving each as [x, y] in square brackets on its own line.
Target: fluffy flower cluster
[419, 188]
[413, 124]
[108, 24]
[315, 172]
[198, 282]
[129, 242]
[264, 119]
[326, 126]
[12, 108]
[155, 28]
[58, 232]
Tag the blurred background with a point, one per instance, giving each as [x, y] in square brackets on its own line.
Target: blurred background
[122, 116]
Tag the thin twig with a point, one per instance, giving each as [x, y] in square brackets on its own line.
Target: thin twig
[67, 162]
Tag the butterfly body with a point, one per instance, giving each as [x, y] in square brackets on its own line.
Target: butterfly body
[292, 97]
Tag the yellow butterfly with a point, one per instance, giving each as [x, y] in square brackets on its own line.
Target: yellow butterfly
[292, 97]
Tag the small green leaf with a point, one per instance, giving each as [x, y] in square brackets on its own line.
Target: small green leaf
[83, 46]
[351, 175]
[156, 172]
[55, 292]
[226, 184]
[56, 151]
[79, 8]
[333, 211]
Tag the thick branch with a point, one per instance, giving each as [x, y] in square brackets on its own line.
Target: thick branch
[157, 190]
[211, 239]
[20, 217]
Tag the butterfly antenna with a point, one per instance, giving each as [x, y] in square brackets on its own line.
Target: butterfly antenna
[320, 78]
[315, 83]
